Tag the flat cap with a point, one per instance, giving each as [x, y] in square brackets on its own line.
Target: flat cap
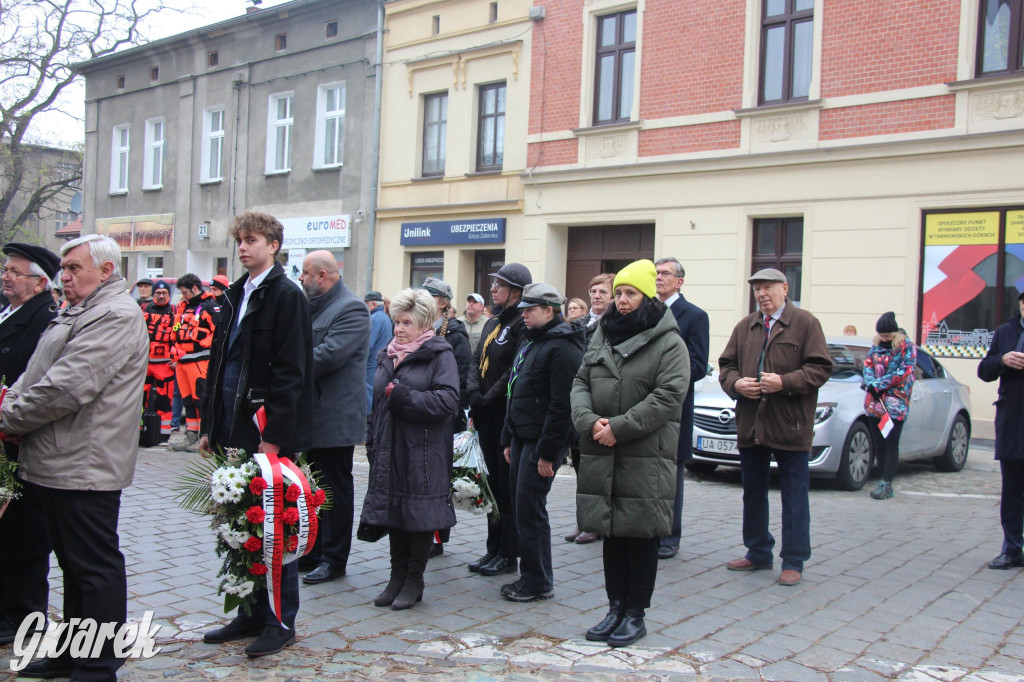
[145, 280]
[40, 255]
[374, 296]
[541, 294]
[437, 287]
[767, 275]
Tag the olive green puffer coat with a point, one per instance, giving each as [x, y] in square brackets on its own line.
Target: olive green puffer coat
[628, 490]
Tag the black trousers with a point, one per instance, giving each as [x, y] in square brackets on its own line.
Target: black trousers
[888, 449]
[334, 540]
[1011, 506]
[630, 570]
[25, 560]
[501, 536]
[529, 501]
[83, 529]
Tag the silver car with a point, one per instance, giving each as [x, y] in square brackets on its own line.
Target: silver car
[938, 426]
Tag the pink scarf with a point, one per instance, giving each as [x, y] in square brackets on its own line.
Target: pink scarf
[398, 351]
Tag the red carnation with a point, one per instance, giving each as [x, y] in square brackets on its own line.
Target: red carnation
[255, 514]
[258, 485]
[291, 516]
[258, 569]
[319, 497]
[291, 543]
[293, 493]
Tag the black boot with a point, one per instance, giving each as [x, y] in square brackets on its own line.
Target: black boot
[630, 629]
[601, 631]
[399, 567]
[412, 591]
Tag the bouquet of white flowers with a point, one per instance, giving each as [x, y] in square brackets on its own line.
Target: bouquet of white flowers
[469, 477]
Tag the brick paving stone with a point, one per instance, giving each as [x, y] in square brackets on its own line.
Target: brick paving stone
[788, 671]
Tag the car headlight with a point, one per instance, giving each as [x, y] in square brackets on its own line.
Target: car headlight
[823, 411]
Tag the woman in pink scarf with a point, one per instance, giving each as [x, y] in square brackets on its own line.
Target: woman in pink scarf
[415, 400]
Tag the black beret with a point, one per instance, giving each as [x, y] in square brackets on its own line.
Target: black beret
[40, 255]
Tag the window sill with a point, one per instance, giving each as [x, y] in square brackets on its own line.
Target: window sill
[118, 192]
[212, 181]
[607, 128]
[489, 171]
[982, 82]
[153, 189]
[277, 172]
[427, 178]
[771, 109]
[326, 169]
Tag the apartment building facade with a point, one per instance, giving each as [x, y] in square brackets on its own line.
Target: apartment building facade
[271, 111]
[870, 150]
[453, 148]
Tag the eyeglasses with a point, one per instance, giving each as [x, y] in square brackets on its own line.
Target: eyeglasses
[497, 284]
[667, 273]
[7, 272]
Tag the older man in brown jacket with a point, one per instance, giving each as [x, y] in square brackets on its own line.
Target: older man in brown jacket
[76, 410]
[773, 365]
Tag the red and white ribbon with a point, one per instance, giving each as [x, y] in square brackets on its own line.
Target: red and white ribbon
[273, 525]
[279, 472]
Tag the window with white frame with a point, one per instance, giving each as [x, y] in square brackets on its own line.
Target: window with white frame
[153, 155]
[435, 133]
[213, 145]
[330, 126]
[279, 132]
[119, 159]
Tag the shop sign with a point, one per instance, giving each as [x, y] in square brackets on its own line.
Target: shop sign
[317, 232]
[478, 231]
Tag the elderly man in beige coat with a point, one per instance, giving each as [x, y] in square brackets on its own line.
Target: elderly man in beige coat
[76, 411]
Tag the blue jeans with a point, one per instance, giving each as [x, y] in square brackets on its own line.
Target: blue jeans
[529, 507]
[794, 481]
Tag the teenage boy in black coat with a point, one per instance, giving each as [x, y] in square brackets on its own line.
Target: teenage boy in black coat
[262, 357]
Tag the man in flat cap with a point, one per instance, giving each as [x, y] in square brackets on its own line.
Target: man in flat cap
[145, 287]
[538, 427]
[774, 364]
[27, 280]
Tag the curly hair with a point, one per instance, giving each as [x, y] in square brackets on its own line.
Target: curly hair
[253, 222]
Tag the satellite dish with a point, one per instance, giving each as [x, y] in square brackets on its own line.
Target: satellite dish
[76, 203]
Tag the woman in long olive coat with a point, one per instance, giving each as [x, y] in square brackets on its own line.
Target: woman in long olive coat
[626, 404]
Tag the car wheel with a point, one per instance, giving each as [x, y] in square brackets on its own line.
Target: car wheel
[701, 467]
[855, 464]
[955, 455]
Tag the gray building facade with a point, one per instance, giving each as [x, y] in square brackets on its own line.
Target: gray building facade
[271, 111]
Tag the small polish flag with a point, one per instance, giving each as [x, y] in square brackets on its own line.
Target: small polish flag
[885, 425]
[260, 419]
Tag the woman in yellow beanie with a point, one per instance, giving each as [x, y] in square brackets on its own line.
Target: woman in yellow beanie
[626, 401]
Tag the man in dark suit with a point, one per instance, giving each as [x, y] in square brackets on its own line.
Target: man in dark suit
[341, 337]
[27, 275]
[694, 328]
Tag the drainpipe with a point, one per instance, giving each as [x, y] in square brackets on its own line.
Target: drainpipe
[378, 90]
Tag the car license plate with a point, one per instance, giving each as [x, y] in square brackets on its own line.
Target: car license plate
[717, 445]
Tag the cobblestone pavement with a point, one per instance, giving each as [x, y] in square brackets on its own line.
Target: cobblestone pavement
[896, 589]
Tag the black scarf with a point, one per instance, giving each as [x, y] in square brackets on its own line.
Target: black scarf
[618, 327]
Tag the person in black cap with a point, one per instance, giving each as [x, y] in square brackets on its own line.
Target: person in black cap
[888, 383]
[537, 430]
[25, 563]
[1005, 362]
[145, 287]
[487, 386]
[159, 389]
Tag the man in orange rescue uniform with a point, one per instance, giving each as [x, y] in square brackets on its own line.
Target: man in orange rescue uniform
[194, 323]
[159, 315]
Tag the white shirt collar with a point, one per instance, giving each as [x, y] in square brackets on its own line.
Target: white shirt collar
[671, 299]
[776, 315]
[254, 282]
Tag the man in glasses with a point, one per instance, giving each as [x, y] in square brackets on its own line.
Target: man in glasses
[488, 386]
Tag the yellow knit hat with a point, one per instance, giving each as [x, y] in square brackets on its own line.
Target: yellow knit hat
[640, 275]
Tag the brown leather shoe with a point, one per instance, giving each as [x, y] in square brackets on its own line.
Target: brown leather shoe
[745, 564]
[586, 538]
[789, 577]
